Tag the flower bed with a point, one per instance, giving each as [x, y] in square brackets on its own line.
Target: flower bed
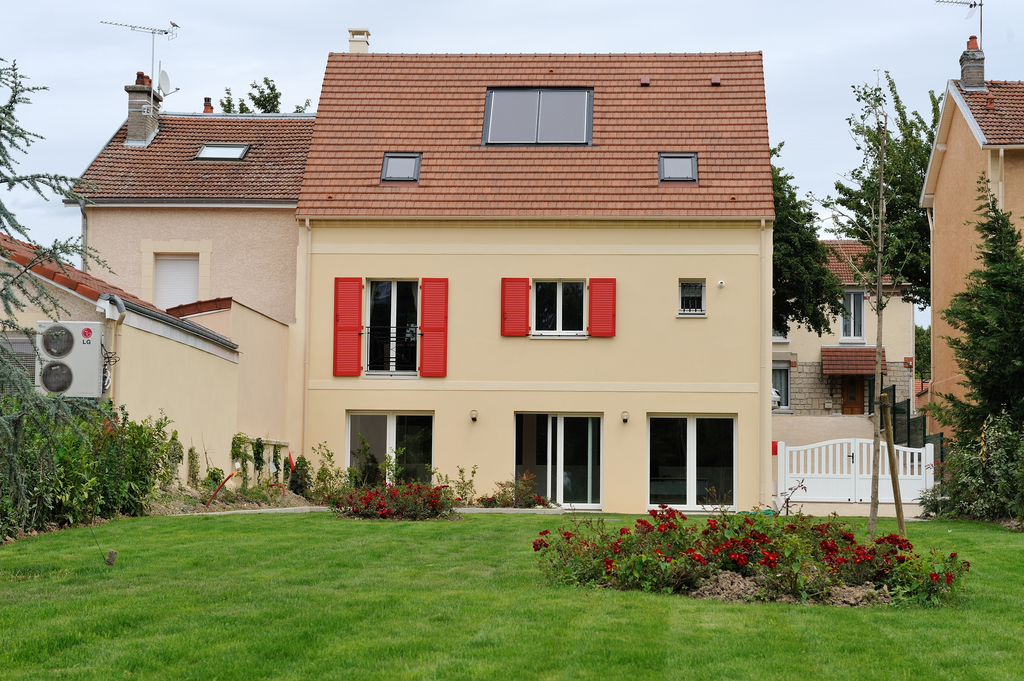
[410, 501]
[787, 558]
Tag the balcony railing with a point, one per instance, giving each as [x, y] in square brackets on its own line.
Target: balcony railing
[391, 348]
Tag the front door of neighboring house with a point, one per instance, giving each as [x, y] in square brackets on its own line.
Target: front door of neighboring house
[853, 395]
[563, 451]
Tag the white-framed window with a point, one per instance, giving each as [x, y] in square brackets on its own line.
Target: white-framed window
[692, 298]
[564, 452]
[175, 279]
[780, 382]
[222, 152]
[692, 460]
[408, 437]
[853, 317]
[559, 307]
[392, 330]
[779, 337]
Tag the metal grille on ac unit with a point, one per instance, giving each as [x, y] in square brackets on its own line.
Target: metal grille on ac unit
[70, 358]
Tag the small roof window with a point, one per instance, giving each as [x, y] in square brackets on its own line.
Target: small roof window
[399, 167]
[223, 152]
[538, 116]
[677, 167]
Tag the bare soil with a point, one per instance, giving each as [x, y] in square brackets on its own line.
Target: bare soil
[735, 588]
[184, 500]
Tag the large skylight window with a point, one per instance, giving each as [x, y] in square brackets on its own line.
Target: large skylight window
[538, 116]
[677, 167]
[223, 152]
[401, 168]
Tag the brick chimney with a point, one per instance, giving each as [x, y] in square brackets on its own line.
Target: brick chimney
[207, 105]
[143, 119]
[972, 67]
[359, 40]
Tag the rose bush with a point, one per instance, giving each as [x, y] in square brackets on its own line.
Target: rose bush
[799, 557]
[409, 501]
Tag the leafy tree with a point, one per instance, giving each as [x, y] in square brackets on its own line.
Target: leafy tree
[907, 151]
[22, 409]
[989, 314]
[922, 352]
[265, 98]
[804, 290]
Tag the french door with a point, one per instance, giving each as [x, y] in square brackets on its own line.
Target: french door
[563, 451]
[407, 437]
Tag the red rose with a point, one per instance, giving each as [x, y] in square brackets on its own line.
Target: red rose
[949, 579]
[934, 576]
[545, 532]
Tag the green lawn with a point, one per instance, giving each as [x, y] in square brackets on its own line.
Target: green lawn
[313, 597]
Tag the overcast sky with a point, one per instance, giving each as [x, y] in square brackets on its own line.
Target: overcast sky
[814, 50]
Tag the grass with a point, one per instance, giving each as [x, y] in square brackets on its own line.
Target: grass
[313, 597]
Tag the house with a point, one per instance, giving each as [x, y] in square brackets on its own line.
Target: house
[195, 213]
[161, 360]
[981, 130]
[556, 265]
[833, 375]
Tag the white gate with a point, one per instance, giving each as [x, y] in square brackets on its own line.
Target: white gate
[840, 471]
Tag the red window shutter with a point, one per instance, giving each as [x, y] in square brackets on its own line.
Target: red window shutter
[515, 307]
[434, 327]
[602, 307]
[348, 326]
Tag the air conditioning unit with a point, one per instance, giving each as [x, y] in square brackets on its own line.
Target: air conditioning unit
[70, 360]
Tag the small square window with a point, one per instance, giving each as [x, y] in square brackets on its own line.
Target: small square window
[223, 152]
[401, 168]
[691, 298]
[677, 167]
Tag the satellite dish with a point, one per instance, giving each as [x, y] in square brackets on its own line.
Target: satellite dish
[165, 82]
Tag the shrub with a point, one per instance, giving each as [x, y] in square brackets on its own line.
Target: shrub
[240, 454]
[408, 501]
[515, 493]
[330, 481]
[463, 489]
[174, 454]
[214, 476]
[789, 557]
[983, 478]
[258, 462]
[193, 468]
[300, 481]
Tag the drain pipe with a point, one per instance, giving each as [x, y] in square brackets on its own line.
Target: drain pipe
[85, 235]
[115, 376]
[305, 363]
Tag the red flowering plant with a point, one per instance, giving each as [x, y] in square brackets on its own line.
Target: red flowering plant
[795, 557]
[408, 501]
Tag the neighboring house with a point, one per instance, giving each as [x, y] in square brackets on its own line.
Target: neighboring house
[189, 207]
[981, 130]
[557, 265]
[163, 361]
[833, 374]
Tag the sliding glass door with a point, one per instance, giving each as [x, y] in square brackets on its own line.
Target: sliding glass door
[692, 461]
[563, 451]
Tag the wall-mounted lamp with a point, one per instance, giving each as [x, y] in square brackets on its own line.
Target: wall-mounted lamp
[625, 416]
[721, 284]
[473, 415]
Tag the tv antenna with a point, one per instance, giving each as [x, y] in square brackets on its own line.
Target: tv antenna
[974, 5]
[171, 34]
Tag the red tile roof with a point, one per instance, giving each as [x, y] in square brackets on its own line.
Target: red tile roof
[998, 112]
[166, 170]
[434, 104]
[850, 361]
[840, 253]
[211, 305]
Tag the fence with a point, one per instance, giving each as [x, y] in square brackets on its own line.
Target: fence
[840, 471]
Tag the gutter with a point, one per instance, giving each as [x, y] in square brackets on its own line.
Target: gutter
[189, 327]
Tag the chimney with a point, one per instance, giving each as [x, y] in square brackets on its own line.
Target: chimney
[207, 105]
[358, 40]
[143, 118]
[972, 67]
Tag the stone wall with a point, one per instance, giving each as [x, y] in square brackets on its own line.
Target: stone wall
[809, 390]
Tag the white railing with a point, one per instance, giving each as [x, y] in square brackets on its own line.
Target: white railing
[840, 471]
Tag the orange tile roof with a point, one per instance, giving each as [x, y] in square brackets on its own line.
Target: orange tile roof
[434, 104]
[200, 306]
[850, 361]
[166, 170]
[840, 253]
[1003, 123]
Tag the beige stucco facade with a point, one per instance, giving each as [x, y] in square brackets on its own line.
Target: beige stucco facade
[658, 363]
[951, 193]
[245, 252]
